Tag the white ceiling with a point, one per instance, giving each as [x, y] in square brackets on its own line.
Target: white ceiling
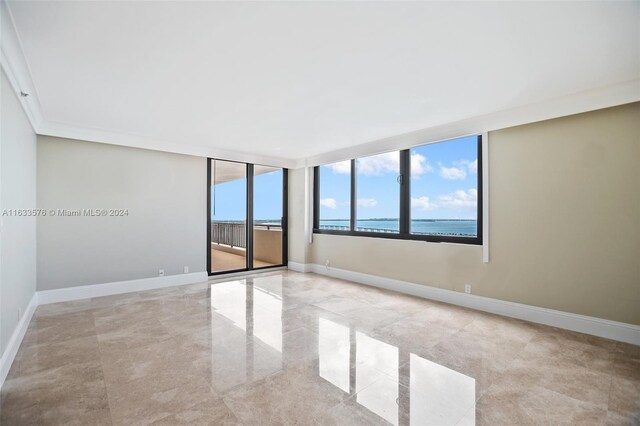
[225, 171]
[298, 80]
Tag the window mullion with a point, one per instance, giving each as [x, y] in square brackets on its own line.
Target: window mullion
[354, 196]
[316, 197]
[479, 218]
[405, 192]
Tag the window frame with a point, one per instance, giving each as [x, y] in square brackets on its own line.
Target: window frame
[249, 193]
[404, 208]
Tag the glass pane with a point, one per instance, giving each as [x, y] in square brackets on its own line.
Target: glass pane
[378, 193]
[228, 216]
[267, 216]
[335, 196]
[444, 188]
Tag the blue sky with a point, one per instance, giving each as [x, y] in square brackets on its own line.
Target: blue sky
[231, 196]
[443, 186]
[443, 183]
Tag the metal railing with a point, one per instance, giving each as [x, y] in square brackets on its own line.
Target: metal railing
[382, 230]
[234, 234]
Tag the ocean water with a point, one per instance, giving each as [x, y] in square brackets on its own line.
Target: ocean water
[450, 227]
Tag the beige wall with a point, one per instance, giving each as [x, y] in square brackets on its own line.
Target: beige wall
[298, 248]
[564, 223]
[267, 245]
[165, 228]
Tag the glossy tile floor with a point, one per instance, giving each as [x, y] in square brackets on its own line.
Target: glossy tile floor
[297, 348]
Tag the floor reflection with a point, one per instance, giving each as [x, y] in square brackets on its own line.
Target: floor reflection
[445, 395]
[333, 344]
[386, 381]
[267, 317]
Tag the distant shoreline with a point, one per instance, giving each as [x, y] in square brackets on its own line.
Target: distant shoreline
[395, 220]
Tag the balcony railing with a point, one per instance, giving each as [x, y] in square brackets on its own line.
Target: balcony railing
[234, 234]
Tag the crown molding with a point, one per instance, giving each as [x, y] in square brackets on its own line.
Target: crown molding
[590, 100]
[60, 130]
[15, 66]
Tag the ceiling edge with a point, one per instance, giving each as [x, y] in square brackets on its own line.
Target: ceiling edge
[100, 136]
[603, 97]
[15, 66]
[14, 63]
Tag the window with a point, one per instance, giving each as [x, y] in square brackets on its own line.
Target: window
[444, 188]
[332, 206]
[432, 192]
[378, 193]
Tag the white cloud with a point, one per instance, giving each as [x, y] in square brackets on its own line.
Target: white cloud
[421, 203]
[452, 173]
[329, 202]
[367, 202]
[389, 162]
[419, 165]
[378, 164]
[473, 166]
[459, 199]
[341, 167]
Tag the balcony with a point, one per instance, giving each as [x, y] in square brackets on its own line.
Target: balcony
[228, 245]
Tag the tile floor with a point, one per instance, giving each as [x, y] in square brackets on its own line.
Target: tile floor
[284, 347]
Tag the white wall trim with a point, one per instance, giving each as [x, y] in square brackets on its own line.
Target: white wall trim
[614, 330]
[14, 63]
[16, 68]
[97, 290]
[245, 274]
[590, 100]
[16, 339]
[485, 197]
[309, 198]
[299, 267]
[68, 294]
[195, 148]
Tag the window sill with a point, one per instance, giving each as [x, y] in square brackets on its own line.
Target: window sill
[411, 237]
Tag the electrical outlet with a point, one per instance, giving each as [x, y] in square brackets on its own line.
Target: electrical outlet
[185, 270]
[467, 288]
[161, 273]
[327, 264]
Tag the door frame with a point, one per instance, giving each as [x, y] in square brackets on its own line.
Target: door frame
[249, 219]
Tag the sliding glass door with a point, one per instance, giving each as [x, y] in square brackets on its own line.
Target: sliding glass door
[247, 209]
[228, 213]
[267, 216]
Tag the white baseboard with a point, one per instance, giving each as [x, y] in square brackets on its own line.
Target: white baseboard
[614, 330]
[299, 267]
[245, 274]
[16, 339]
[97, 290]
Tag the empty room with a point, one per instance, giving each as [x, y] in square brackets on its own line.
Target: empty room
[319, 213]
